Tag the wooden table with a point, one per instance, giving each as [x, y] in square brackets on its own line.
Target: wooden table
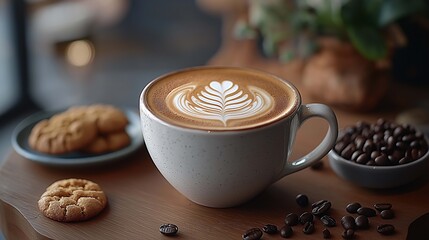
[140, 199]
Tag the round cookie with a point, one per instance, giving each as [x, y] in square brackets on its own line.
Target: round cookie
[61, 134]
[72, 200]
[107, 118]
[108, 142]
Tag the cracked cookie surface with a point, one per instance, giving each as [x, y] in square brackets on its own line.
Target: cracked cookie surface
[72, 200]
[61, 134]
[107, 118]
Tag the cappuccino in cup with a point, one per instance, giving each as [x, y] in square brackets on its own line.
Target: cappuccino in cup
[221, 135]
[231, 99]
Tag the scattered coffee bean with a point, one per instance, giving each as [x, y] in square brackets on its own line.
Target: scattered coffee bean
[321, 209]
[302, 200]
[306, 217]
[348, 222]
[252, 234]
[328, 221]
[353, 207]
[270, 228]
[382, 206]
[326, 233]
[362, 222]
[386, 229]
[168, 229]
[348, 234]
[317, 166]
[387, 214]
[308, 228]
[292, 219]
[286, 231]
[383, 144]
[366, 211]
[318, 203]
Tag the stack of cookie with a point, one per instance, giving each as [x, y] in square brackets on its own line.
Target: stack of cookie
[94, 129]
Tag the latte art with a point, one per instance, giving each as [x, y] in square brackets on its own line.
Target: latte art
[220, 98]
[221, 101]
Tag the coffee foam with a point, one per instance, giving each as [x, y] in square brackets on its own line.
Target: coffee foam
[220, 99]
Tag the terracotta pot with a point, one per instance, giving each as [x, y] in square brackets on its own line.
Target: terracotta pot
[338, 75]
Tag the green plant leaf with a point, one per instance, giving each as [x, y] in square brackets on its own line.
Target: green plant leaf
[393, 10]
[356, 12]
[368, 41]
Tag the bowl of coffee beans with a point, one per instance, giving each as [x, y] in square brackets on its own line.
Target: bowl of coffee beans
[379, 155]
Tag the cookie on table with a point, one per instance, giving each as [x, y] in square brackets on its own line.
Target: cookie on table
[108, 142]
[62, 135]
[72, 200]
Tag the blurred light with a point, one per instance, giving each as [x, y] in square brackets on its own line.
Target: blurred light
[80, 53]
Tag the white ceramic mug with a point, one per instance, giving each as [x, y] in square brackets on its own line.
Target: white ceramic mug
[228, 168]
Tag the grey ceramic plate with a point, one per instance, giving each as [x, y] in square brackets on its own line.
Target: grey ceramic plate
[22, 131]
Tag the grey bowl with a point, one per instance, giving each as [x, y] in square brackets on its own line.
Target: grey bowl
[378, 177]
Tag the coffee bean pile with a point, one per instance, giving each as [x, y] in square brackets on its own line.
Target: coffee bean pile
[382, 143]
[357, 219]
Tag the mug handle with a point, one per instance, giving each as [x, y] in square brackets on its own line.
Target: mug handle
[305, 112]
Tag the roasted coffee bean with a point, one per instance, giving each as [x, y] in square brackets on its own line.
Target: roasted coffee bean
[382, 206]
[386, 229]
[362, 222]
[328, 221]
[404, 160]
[398, 131]
[292, 219]
[326, 233]
[317, 166]
[369, 146]
[348, 222]
[370, 163]
[348, 234]
[382, 160]
[363, 158]
[353, 207]
[366, 211]
[387, 214]
[302, 200]
[318, 203]
[286, 231]
[270, 228]
[308, 228]
[252, 234]
[306, 217]
[355, 155]
[359, 141]
[339, 146]
[375, 154]
[348, 151]
[321, 209]
[168, 229]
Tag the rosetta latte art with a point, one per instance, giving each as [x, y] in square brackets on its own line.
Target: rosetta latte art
[221, 101]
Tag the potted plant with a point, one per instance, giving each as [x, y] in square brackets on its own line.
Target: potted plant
[347, 44]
